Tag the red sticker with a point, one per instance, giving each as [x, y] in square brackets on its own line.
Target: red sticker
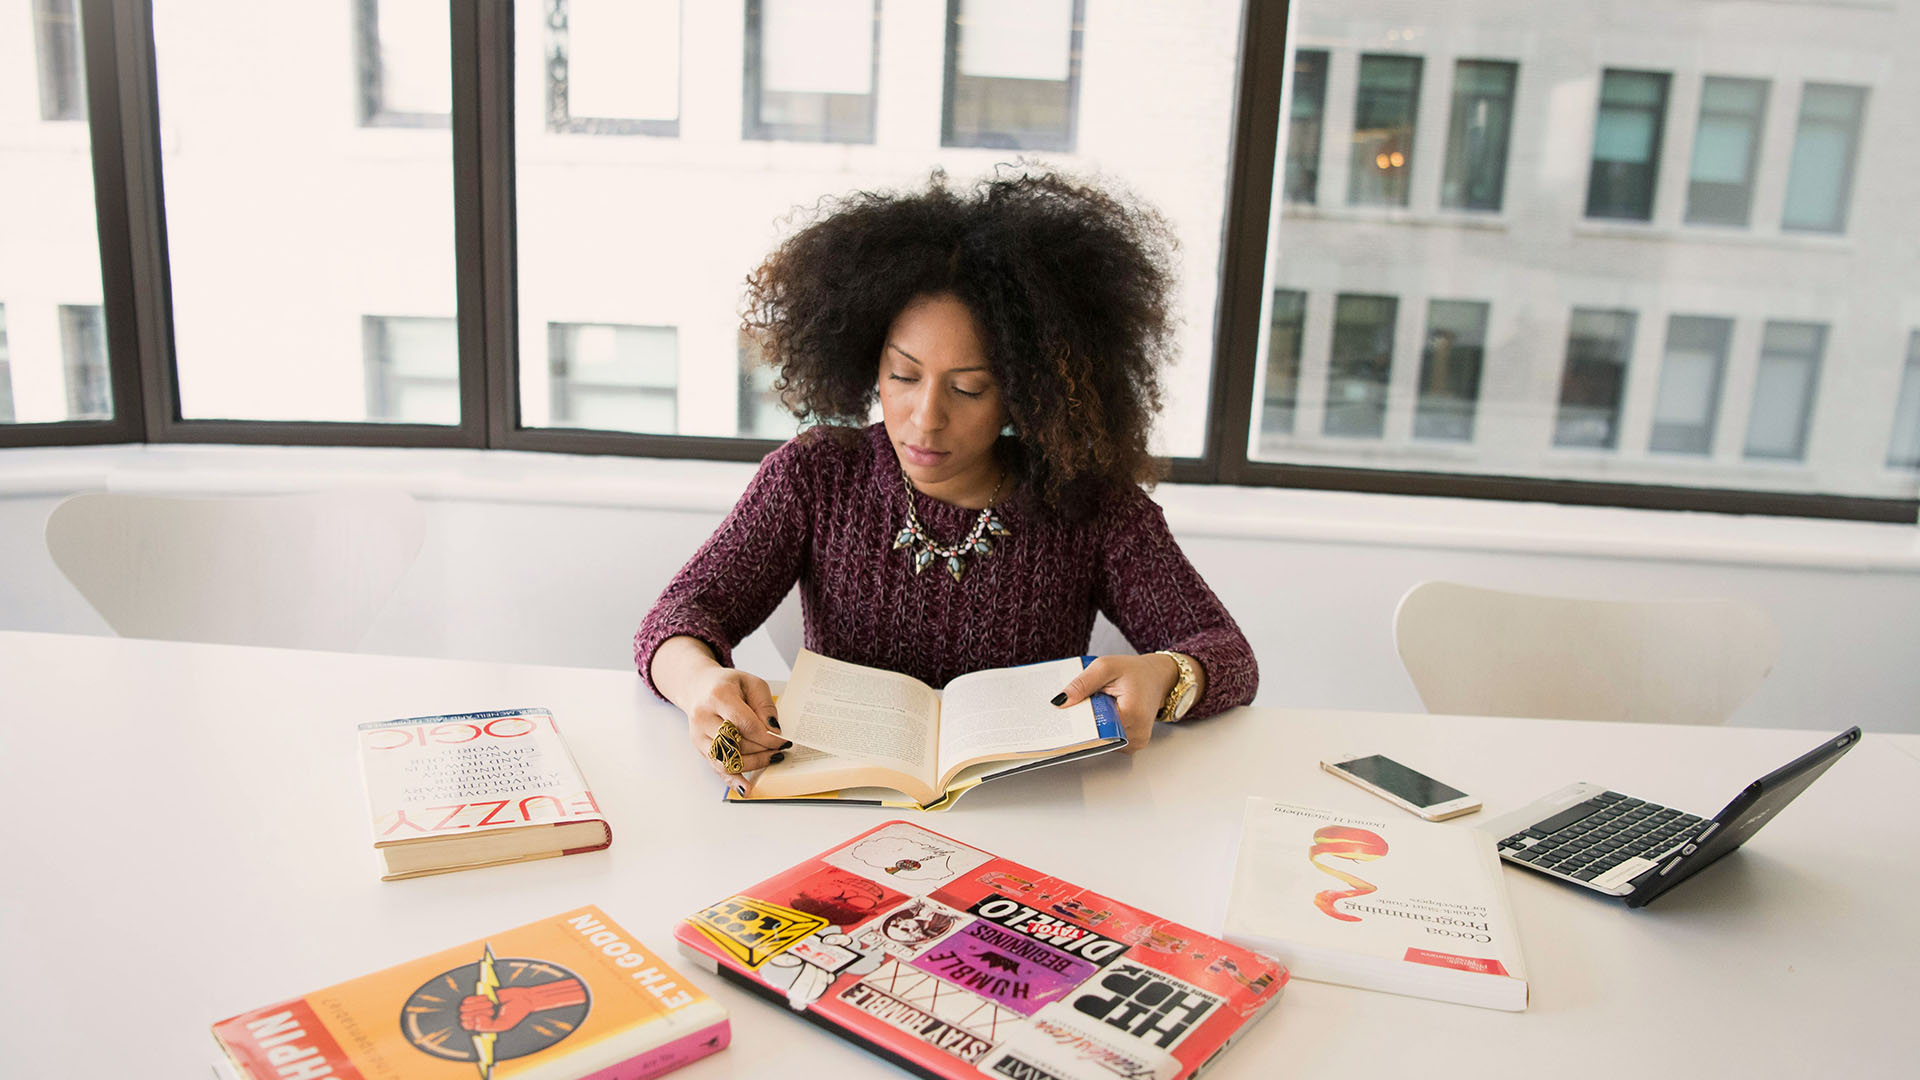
[1449, 960]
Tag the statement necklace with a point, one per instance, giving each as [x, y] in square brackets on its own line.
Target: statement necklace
[977, 542]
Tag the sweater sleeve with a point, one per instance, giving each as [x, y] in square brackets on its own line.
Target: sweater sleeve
[743, 571]
[1158, 600]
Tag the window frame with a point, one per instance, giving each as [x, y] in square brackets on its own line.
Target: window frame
[1020, 141]
[1656, 145]
[754, 128]
[117, 41]
[1457, 135]
[368, 102]
[560, 118]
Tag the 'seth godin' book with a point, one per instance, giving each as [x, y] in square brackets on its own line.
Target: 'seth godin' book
[573, 996]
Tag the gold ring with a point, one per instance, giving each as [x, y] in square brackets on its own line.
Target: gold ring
[726, 748]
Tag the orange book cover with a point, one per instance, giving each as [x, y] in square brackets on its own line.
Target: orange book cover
[573, 997]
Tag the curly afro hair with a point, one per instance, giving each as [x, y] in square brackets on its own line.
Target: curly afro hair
[1068, 282]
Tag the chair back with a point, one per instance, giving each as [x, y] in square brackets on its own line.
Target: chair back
[306, 571]
[1485, 652]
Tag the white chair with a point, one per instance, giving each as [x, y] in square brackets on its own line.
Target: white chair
[1483, 652]
[306, 571]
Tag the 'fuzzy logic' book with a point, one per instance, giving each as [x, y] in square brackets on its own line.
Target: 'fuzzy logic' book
[951, 962]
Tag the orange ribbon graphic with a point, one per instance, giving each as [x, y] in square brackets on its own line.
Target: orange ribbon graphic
[1342, 842]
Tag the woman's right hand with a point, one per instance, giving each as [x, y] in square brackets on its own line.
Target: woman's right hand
[719, 693]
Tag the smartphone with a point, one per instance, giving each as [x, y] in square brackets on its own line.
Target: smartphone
[1412, 791]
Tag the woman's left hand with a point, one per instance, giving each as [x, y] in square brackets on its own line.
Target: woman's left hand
[1139, 686]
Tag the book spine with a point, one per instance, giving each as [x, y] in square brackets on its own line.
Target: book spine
[669, 1056]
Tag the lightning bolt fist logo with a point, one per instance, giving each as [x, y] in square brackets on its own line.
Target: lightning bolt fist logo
[494, 1010]
[1343, 842]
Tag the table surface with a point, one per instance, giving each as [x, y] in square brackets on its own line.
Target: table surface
[187, 839]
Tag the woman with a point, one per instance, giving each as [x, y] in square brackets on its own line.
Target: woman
[1012, 336]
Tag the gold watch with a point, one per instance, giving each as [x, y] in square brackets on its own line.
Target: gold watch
[1181, 697]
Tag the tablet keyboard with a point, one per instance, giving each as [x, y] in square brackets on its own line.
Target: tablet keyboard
[1584, 842]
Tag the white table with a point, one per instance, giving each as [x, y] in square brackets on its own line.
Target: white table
[186, 839]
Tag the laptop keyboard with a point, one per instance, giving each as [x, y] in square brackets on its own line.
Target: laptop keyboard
[1584, 842]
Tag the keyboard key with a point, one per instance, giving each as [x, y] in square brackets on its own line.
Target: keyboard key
[1587, 875]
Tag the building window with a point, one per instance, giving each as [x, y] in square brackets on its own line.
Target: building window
[1304, 120]
[1476, 172]
[1626, 144]
[1450, 365]
[1282, 395]
[1385, 110]
[1013, 73]
[614, 378]
[1783, 390]
[56, 39]
[412, 369]
[811, 66]
[761, 414]
[83, 351]
[1361, 362]
[405, 50]
[1687, 406]
[613, 67]
[1725, 149]
[1599, 346]
[1903, 449]
[1820, 181]
[6, 373]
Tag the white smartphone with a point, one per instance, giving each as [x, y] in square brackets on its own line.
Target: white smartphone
[1410, 790]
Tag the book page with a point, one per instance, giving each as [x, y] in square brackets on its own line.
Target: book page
[1006, 711]
[862, 714]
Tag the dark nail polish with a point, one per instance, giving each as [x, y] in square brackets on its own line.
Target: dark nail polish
[772, 723]
[779, 757]
[1060, 698]
[788, 745]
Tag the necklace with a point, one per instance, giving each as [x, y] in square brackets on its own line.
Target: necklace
[977, 541]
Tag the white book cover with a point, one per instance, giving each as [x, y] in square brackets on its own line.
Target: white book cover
[1401, 905]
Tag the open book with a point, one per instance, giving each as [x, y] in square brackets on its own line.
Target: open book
[889, 735]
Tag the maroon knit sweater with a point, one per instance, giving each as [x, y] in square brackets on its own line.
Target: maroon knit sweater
[824, 511]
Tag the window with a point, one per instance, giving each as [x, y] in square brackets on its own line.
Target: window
[1626, 144]
[811, 69]
[56, 39]
[1450, 370]
[83, 351]
[1359, 366]
[6, 373]
[613, 66]
[1304, 118]
[403, 49]
[286, 223]
[1725, 147]
[1820, 181]
[312, 182]
[1282, 395]
[1384, 113]
[1013, 73]
[1783, 390]
[412, 370]
[1903, 450]
[613, 378]
[761, 413]
[1476, 173]
[1599, 347]
[1688, 403]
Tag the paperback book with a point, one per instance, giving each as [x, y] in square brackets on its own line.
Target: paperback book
[570, 997]
[952, 962]
[871, 736]
[1407, 906]
[475, 789]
